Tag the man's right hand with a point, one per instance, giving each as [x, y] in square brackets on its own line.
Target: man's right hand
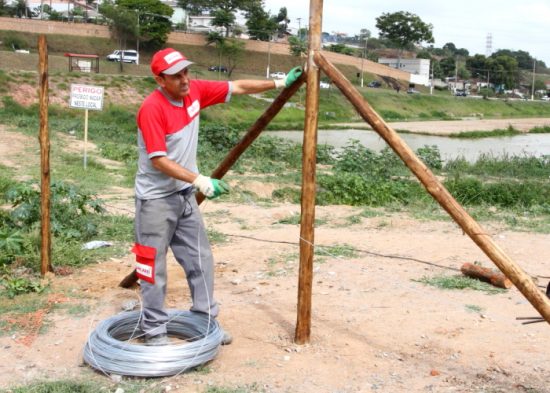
[211, 188]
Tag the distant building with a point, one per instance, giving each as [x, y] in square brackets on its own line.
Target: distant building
[418, 68]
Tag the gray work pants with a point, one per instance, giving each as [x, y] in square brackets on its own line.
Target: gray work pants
[174, 221]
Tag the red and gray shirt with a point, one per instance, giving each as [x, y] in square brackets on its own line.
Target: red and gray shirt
[171, 128]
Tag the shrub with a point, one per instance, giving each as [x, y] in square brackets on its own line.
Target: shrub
[431, 156]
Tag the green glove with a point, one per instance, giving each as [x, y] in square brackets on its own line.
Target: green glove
[289, 79]
[211, 188]
[292, 76]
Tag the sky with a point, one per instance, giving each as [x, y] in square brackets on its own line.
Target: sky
[513, 24]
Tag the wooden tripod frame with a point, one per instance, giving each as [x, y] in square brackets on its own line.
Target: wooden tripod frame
[316, 62]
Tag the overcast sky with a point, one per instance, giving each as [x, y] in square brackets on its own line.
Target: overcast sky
[513, 24]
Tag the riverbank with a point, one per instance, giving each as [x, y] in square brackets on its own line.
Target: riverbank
[452, 127]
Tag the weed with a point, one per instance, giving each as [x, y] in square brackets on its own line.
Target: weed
[510, 131]
[459, 282]
[294, 219]
[215, 236]
[14, 286]
[352, 220]
[473, 308]
[76, 310]
[253, 388]
[337, 251]
[84, 386]
[540, 130]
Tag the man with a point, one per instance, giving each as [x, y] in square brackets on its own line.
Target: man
[167, 214]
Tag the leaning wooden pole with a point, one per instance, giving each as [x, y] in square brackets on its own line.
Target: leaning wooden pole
[510, 269]
[309, 149]
[254, 131]
[46, 246]
[234, 154]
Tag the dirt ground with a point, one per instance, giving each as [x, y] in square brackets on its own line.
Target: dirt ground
[375, 328]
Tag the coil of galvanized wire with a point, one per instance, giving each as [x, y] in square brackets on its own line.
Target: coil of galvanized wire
[108, 349]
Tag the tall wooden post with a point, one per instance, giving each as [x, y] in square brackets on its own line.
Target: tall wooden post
[303, 323]
[46, 246]
[510, 269]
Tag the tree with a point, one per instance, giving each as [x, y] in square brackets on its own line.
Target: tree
[476, 66]
[297, 46]
[144, 20]
[223, 18]
[261, 26]
[5, 10]
[504, 71]
[282, 21]
[340, 48]
[230, 49]
[404, 28]
[221, 7]
[20, 9]
[447, 66]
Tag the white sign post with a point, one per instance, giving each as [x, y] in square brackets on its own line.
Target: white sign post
[86, 97]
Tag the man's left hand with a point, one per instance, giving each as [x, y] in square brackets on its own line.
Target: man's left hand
[293, 76]
[290, 78]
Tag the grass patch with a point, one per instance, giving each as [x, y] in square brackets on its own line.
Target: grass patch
[294, 219]
[84, 386]
[499, 132]
[473, 308]
[540, 130]
[337, 251]
[216, 237]
[459, 282]
[253, 388]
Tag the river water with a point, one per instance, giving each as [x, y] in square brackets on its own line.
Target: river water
[450, 148]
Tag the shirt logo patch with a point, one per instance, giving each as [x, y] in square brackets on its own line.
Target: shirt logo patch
[193, 109]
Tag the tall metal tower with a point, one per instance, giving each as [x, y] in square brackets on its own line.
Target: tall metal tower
[489, 45]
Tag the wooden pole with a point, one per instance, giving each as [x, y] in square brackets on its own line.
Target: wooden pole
[506, 265]
[85, 138]
[253, 132]
[309, 149]
[484, 274]
[46, 248]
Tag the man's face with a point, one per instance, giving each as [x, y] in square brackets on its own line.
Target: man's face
[176, 86]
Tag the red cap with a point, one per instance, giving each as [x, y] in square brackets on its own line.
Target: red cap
[168, 61]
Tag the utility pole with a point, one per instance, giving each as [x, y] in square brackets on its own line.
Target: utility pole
[299, 28]
[363, 59]
[533, 85]
[268, 57]
[432, 84]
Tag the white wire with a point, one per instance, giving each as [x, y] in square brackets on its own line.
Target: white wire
[109, 350]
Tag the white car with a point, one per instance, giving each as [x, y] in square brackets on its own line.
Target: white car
[278, 75]
[324, 85]
[545, 98]
[128, 56]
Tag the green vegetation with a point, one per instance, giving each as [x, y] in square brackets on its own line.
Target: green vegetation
[254, 388]
[86, 386]
[473, 308]
[459, 282]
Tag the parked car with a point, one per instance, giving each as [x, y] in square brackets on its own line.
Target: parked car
[412, 91]
[461, 93]
[278, 75]
[128, 56]
[218, 68]
[324, 85]
[374, 84]
[545, 98]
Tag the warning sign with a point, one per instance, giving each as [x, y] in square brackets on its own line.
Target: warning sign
[86, 97]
